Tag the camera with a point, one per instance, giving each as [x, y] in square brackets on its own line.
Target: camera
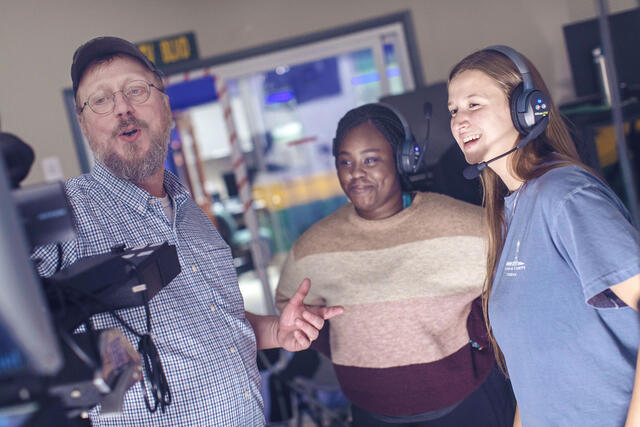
[54, 367]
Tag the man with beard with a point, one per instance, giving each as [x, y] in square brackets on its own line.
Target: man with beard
[205, 340]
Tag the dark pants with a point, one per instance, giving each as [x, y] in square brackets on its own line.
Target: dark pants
[491, 405]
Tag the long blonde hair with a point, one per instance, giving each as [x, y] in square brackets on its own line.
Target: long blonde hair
[525, 163]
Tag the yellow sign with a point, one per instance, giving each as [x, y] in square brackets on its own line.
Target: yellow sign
[175, 50]
[170, 50]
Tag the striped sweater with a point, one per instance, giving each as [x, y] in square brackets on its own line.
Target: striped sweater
[410, 286]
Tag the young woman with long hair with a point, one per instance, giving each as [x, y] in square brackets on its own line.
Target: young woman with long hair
[563, 264]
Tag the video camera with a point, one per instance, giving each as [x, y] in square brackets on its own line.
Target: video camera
[54, 367]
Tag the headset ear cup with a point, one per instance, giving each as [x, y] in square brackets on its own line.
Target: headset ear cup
[400, 158]
[406, 159]
[403, 164]
[513, 105]
[538, 105]
[414, 154]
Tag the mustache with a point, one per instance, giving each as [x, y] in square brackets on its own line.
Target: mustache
[129, 121]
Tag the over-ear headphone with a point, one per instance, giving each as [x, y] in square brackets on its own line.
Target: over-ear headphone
[409, 152]
[529, 105]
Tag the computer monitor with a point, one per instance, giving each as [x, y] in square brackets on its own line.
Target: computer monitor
[443, 159]
[582, 37]
[28, 344]
[409, 104]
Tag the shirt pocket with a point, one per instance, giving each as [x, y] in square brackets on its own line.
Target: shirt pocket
[214, 266]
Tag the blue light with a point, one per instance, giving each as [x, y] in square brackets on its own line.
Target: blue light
[365, 78]
[393, 72]
[539, 101]
[416, 149]
[279, 97]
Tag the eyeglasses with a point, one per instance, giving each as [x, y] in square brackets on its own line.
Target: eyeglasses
[136, 92]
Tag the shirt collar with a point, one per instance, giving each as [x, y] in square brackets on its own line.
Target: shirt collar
[133, 195]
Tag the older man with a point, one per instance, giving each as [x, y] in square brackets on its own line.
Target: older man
[206, 342]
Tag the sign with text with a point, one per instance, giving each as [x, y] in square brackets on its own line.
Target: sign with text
[171, 49]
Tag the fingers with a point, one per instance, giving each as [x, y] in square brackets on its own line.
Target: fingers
[314, 319]
[309, 325]
[302, 292]
[308, 329]
[329, 312]
[302, 340]
[325, 312]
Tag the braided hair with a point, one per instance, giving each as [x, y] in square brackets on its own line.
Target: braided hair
[383, 118]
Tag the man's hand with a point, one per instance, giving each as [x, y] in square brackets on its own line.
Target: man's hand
[299, 325]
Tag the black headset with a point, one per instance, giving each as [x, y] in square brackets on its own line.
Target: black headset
[409, 152]
[529, 109]
[529, 105]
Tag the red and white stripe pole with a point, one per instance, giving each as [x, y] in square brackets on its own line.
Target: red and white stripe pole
[258, 248]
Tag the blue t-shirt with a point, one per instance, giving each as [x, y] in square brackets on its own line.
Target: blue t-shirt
[569, 343]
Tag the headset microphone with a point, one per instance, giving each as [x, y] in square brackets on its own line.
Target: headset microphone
[473, 171]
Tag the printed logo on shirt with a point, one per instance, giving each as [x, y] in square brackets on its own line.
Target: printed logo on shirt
[511, 268]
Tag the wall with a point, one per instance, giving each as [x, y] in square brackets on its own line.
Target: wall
[38, 38]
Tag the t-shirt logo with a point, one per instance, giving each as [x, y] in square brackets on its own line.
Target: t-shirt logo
[511, 268]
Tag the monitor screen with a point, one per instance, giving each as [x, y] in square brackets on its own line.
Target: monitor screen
[29, 344]
[583, 37]
[409, 104]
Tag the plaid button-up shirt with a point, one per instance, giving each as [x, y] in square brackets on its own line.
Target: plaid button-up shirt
[207, 347]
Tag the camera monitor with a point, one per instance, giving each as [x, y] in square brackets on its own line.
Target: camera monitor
[28, 345]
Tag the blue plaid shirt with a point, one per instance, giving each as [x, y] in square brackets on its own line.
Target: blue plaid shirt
[207, 347]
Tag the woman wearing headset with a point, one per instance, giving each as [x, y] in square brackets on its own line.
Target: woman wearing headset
[411, 347]
[564, 260]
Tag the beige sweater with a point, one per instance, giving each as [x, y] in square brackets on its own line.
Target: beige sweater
[407, 284]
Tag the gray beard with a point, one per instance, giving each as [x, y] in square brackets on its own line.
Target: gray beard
[134, 167]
